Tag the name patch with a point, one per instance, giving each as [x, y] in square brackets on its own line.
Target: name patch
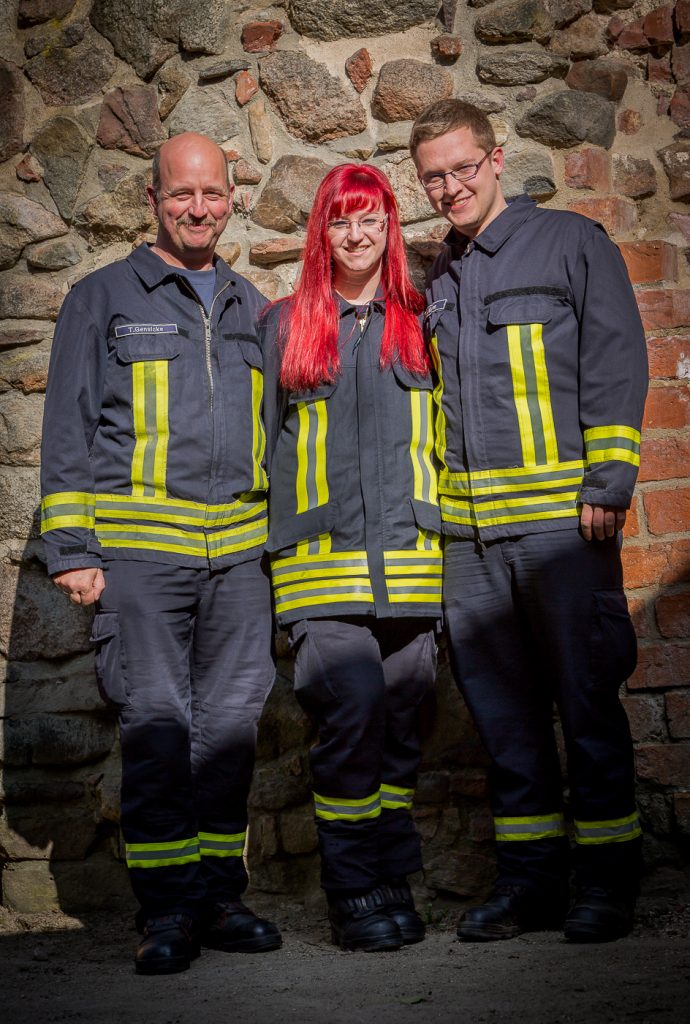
[127, 329]
[437, 307]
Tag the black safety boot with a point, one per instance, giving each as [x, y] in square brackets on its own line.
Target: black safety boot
[361, 922]
[399, 906]
[599, 915]
[511, 910]
[169, 944]
[235, 928]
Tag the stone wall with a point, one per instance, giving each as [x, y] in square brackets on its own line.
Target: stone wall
[591, 99]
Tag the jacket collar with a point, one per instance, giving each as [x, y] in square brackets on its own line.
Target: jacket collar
[154, 271]
[345, 307]
[498, 231]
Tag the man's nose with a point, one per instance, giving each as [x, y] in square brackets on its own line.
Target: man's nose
[197, 207]
[452, 186]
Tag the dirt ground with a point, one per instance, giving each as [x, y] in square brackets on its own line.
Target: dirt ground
[55, 968]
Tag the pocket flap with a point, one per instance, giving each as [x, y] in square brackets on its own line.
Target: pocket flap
[147, 349]
[105, 626]
[427, 516]
[251, 352]
[422, 382]
[300, 527]
[313, 394]
[521, 309]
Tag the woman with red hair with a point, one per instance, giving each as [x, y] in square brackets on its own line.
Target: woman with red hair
[354, 542]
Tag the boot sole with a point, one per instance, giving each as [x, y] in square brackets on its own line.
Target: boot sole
[381, 945]
[487, 932]
[584, 933]
[411, 937]
[262, 944]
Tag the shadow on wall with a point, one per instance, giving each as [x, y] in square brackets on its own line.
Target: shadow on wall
[59, 836]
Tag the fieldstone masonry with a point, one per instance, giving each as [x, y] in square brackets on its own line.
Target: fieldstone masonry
[591, 99]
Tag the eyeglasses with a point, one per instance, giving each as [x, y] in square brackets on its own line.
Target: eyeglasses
[370, 226]
[437, 179]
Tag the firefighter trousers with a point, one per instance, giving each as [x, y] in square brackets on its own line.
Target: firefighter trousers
[532, 621]
[362, 680]
[185, 655]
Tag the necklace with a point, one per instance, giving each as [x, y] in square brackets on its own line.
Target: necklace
[362, 316]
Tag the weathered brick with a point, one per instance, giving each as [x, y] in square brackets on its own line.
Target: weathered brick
[667, 764]
[632, 523]
[633, 176]
[668, 511]
[588, 169]
[629, 122]
[662, 308]
[669, 357]
[628, 37]
[682, 19]
[637, 606]
[261, 36]
[618, 215]
[658, 26]
[648, 564]
[662, 666]
[664, 458]
[659, 68]
[681, 808]
[646, 717]
[673, 615]
[648, 262]
[678, 714]
[668, 407]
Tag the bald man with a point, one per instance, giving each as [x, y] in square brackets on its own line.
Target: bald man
[154, 510]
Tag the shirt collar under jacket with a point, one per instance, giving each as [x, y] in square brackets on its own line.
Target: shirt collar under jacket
[345, 306]
[154, 271]
[499, 230]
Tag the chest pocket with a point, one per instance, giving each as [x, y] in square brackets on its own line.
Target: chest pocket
[253, 357]
[525, 318]
[310, 409]
[149, 357]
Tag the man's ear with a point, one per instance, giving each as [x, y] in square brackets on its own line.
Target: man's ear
[152, 199]
[497, 161]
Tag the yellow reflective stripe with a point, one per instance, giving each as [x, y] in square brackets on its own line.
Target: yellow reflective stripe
[394, 798]
[302, 457]
[139, 418]
[517, 370]
[163, 854]
[342, 809]
[616, 430]
[169, 510]
[160, 458]
[544, 394]
[613, 454]
[539, 826]
[258, 432]
[440, 420]
[320, 453]
[615, 830]
[65, 509]
[213, 844]
[311, 484]
[416, 416]
[470, 519]
[539, 473]
[151, 428]
[355, 597]
[425, 485]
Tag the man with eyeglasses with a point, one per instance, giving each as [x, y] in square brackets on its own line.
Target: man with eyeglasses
[542, 380]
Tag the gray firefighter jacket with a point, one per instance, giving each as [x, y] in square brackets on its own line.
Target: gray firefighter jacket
[153, 442]
[543, 373]
[354, 518]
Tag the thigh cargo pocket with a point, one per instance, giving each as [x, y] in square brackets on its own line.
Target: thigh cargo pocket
[614, 644]
[109, 661]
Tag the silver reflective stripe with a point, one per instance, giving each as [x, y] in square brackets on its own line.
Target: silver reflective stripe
[617, 830]
[540, 826]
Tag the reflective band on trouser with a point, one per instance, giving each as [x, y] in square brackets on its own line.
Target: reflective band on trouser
[338, 809]
[616, 443]
[162, 855]
[151, 428]
[213, 844]
[540, 826]
[440, 422]
[258, 432]
[532, 394]
[425, 482]
[395, 798]
[617, 830]
[66, 509]
[414, 576]
[305, 580]
[491, 497]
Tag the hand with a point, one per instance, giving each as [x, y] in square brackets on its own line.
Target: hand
[82, 586]
[600, 521]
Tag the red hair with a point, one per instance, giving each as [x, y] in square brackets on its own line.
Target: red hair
[310, 318]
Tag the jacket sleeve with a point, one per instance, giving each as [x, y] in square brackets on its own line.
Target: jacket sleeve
[613, 373]
[72, 412]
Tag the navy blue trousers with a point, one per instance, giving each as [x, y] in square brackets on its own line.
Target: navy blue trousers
[186, 657]
[535, 621]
